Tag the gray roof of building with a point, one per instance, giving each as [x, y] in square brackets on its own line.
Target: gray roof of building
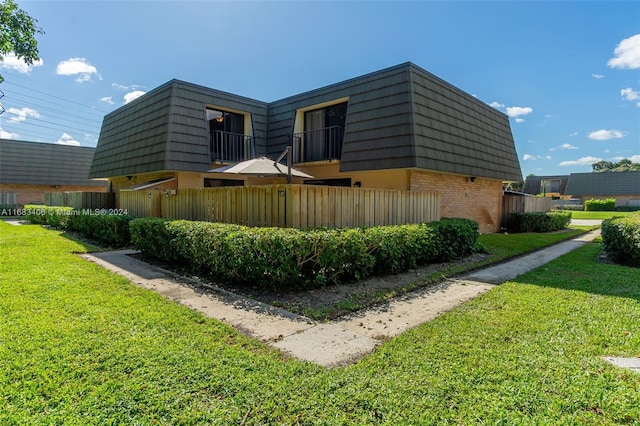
[398, 117]
[36, 163]
[533, 184]
[604, 184]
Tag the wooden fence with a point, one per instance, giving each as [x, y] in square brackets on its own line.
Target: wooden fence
[521, 203]
[295, 206]
[81, 200]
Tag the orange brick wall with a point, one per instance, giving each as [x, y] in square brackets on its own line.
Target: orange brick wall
[480, 200]
[27, 194]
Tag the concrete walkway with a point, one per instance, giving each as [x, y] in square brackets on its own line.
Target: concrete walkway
[337, 342]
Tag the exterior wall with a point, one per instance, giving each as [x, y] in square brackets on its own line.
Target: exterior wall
[27, 194]
[378, 179]
[621, 200]
[480, 200]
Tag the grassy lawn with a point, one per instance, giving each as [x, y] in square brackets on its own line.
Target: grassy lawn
[79, 345]
[598, 215]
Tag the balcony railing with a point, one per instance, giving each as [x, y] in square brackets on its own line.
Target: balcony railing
[318, 145]
[229, 147]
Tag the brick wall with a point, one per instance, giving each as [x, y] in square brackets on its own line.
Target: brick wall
[480, 200]
[27, 194]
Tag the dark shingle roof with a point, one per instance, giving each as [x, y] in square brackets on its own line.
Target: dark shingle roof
[398, 117]
[36, 163]
[604, 183]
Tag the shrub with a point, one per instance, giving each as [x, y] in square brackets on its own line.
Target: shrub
[112, 230]
[608, 205]
[540, 222]
[283, 257]
[621, 239]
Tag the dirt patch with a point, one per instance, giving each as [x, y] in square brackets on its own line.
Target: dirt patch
[333, 301]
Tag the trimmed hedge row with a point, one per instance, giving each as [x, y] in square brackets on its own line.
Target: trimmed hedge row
[608, 205]
[272, 258]
[540, 222]
[112, 230]
[621, 239]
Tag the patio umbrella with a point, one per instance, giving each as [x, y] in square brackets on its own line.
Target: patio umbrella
[262, 166]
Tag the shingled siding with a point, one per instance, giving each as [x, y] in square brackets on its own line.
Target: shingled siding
[36, 163]
[166, 129]
[378, 123]
[456, 133]
[188, 141]
[133, 138]
[480, 200]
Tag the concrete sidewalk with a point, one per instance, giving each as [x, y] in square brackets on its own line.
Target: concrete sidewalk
[337, 342]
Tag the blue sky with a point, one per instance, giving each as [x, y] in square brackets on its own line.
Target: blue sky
[567, 73]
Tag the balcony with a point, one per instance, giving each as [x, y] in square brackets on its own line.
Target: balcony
[318, 145]
[226, 147]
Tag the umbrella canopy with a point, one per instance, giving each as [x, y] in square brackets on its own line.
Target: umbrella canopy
[262, 166]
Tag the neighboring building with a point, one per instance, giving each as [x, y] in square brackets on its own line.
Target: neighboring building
[398, 128]
[28, 170]
[550, 186]
[623, 186]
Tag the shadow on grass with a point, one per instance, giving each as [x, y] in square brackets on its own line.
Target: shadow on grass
[587, 269]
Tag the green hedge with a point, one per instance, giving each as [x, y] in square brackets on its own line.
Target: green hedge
[273, 258]
[110, 229]
[540, 222]
[608, 205]
[621, 239]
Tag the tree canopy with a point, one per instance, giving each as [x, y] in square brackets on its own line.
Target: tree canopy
[621, 166]
[18, 33]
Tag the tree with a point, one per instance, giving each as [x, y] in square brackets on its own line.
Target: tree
[624, 165]
[18, 33]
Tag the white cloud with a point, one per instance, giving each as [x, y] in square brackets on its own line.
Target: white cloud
[584, 161]
[567, 146]
[515, 111]
[548, 157]
[77, 66]
[67, 139]
[597, 76]
[520, 120]
[8, 135]
[605, 135]
[606, 151]
[11, 62]
[107, 99]
[22, 114]
[128, 97]
[573, 134]
[496, 105]
[548, 116]
[631, 95]
[529, 157]
[123, 87]
[635, 158]
[626, 54]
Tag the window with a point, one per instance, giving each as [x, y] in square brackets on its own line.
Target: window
[227, 140]
[323, 133]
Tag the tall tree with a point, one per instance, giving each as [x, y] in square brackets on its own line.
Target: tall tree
[18, 33]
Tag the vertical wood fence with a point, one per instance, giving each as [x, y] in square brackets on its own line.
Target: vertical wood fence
[518, 203]
[81, 200]
[295, 206]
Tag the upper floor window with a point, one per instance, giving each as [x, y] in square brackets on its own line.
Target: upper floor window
[227, 139]
[322, 135]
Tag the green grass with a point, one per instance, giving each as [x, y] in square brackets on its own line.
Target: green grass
[598, 215]
[79, 345]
